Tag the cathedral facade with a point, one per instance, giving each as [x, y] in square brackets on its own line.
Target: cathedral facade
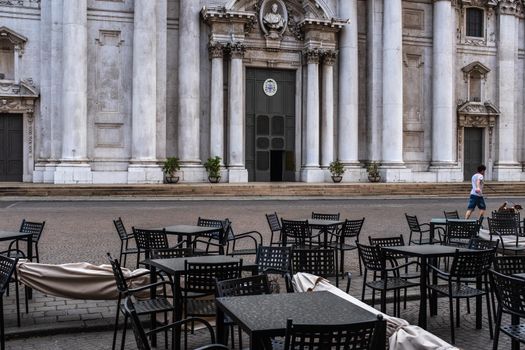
[103, 91]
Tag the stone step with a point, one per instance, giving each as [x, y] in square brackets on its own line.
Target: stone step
[291, 189]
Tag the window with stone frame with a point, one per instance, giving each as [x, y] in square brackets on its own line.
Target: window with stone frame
[474, 22]
[7, 60]
[475, 86]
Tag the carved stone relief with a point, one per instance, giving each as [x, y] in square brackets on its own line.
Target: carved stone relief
[108, 71]
[273, 18]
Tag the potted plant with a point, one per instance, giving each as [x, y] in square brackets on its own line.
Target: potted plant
[213, 168]
[171, 166]
[337, 170]
[373, 172]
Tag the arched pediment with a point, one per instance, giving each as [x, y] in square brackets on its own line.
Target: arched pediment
[317, 9]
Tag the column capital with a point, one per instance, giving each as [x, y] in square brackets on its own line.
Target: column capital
[216, 50]
[237, 50]
[510, 7]
[329, 57]
[312, 55]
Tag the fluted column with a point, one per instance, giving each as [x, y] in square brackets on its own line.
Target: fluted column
[506, 166]
[443, 106]
[348, 130]
[327, 128]
[236, 169]
[392, 131]
[188, 83]
[216, 51]
[74, 167]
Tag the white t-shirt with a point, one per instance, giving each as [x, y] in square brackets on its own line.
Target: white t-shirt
[475, 178]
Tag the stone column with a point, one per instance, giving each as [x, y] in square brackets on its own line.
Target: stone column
[392, 130]
[327, 127]
[443, 105]
[216, 51]
[143, 167]
[506, 166]
[236, 169]
[348, 128]
[189, 95]
[74, 167]
[311, 171]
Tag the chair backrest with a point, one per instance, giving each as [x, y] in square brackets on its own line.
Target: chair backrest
[371, 256]
[481, 244]
[458, 230]
[503, 226]
[319, 262]
[273, 259]
[352, 228]
[121, 229]
[170, 253]
[514, 215]
[203, 277]
[451, 214]
[510, 292]
[321, 216]
[148, 240]
[35, 228]
[253, 285]
[338, 337]
[396, 241]
[509, 264]
[223, 226]
[7, 268]
[273, 222]
[296, 229]
[120, 279]
[413, 223]
[471, 264]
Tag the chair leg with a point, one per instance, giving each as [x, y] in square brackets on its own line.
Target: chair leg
[489, 311]
[451, 306]
[2, 330]
[364, 286]
[37, 255]
[116, 324]
[240, 337]
[123, 343]
[457, 312]
[17, 300]
[496, 331]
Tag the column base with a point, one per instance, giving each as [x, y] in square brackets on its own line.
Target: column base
[447, 172]
[44, 172]
[193, 173]
[313, 175]
[237, 175]
[145, 174]
[395, 173]
[507, 172]
[73, 173]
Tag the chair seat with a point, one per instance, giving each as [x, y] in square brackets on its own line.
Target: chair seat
[200, 307]
[343, 246]
[393, 283]
[153, 305]
[463, 291]
[515, 331]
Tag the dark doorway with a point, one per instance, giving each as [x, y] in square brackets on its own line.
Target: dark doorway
[11, 147]
[473, 154]
[270, 126]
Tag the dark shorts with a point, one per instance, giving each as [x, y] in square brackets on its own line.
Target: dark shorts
[476, 201]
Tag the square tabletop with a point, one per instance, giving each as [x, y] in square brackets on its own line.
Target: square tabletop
[10, 235]
[177, 265]
[267, 314]
[190, 229]
[426, 250]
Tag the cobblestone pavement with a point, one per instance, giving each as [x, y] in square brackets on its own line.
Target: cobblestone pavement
[83, 231]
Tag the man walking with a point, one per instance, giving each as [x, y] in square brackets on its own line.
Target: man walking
[476, 194]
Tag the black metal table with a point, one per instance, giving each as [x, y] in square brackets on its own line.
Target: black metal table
[176, 267]
[323, 226]
[189, 231]
[264, 316]
[13, 235]
[425, 252]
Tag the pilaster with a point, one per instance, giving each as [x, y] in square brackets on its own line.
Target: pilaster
[216, 52]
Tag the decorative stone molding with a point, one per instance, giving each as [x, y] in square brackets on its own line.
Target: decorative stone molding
[214, 15]
[329, 57]
[511, 7]
[475, 67]
[18, 97]
[237, 50]
[216, 50]
[19, 41]
[21, 3]
[312, 55]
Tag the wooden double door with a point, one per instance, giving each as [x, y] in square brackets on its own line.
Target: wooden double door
[11, 147]
[473, 151]
[270, 125]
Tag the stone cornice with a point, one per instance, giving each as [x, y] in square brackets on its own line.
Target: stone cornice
[332, 25]
[221, 15]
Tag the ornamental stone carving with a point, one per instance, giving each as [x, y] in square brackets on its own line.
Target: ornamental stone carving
[216, 50]
[511, 7]
[21, 3]
[329, 57]
[237, 50]
[273, 18]
[312, 56]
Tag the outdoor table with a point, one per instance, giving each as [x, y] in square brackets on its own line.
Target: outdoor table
[176, 267]
[425, 252]
[443, 222]
[265, 316]
[322, 225]
[13, 235]
[189, 231]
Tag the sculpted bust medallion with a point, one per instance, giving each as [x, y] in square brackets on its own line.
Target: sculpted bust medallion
[273, 19]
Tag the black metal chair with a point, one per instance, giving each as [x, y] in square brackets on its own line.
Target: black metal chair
[481, 244]
[275, 228]
[507, 227]
[171, 253]
[213, 242]
[297, 233]
[420, 229]
[350, 230]
[460, 232]
[36, 229]
[7, 269]
[232, 239]
[319, 336]
[466, 267]
[149, 240]
[509, 265]
[374, 260]
[159, 304]
[125, 237]
[510, 292]
[451, 215]
[512, 215]
[16, 254]
[326, 216]
[141, 336]
[273, 260]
